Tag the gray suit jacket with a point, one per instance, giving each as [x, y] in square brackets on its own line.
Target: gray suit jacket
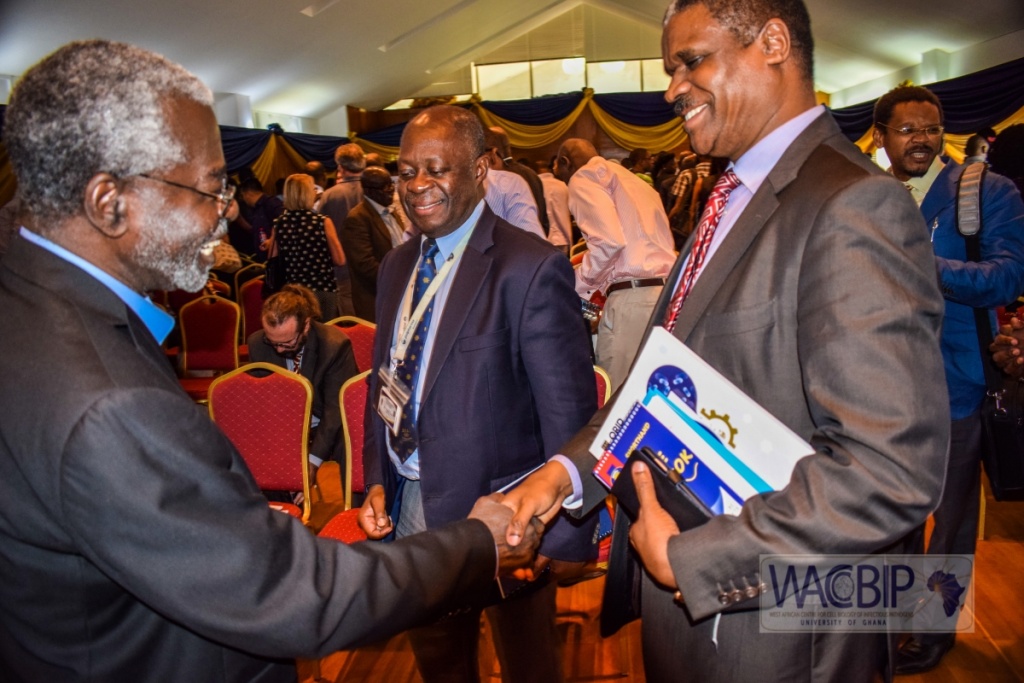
[822, 304]
[134, 544]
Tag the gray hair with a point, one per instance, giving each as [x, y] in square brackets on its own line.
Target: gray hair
[92, 107]
[350, 157]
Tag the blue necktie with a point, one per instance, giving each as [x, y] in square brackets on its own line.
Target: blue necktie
[409, 371]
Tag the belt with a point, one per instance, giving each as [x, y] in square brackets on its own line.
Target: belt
[635, 284]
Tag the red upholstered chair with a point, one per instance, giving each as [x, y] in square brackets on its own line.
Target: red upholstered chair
[361, 332]
[215, 286]
[264, 410]
[352, 399]
[344, 527]
[209, 341]
[250, 298]
[243, 275]
[604, 386]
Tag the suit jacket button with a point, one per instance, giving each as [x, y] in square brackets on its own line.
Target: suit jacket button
[723, 598]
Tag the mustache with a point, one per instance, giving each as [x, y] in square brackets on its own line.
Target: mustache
[918, 148]
[681, 104]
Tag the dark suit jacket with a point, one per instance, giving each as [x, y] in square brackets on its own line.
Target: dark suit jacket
[822, 304]
[134, 544]
[509, 378]
[367, 240]
[327, 362]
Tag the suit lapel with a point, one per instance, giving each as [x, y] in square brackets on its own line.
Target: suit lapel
[750, 223]
[310, 353]
[469, 276]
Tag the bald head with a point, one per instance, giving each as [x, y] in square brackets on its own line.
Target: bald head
[441, 169]
[572, 156]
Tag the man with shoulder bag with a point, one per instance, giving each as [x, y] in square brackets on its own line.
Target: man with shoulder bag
[976, 222]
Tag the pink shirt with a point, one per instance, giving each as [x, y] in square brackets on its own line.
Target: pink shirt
[624, 223]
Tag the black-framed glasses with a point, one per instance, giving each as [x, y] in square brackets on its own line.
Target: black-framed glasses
[224, 197]
[908, 131]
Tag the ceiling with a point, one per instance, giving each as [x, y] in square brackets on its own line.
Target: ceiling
[308, 60]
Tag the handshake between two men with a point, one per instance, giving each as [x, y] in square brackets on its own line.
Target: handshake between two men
[517, 520]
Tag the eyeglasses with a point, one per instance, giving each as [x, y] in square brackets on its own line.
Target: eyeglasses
[226, 194]
[284, 345]
[909, 131]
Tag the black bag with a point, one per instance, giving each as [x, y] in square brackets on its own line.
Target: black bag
[1002, 417]
[273, 278]
[1002, 411]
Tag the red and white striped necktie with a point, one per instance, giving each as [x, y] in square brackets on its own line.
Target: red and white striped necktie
[705, 232]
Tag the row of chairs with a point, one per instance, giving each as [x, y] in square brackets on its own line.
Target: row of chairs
[211, 326]
[265, 411]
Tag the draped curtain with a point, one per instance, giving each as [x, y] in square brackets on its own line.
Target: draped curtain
[993, 97]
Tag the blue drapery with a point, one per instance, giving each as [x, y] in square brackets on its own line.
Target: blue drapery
[386, 137]
[637, 108]
[242, 146]
[539, 111]
[970, 103]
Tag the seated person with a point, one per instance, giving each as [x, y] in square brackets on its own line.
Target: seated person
[293, 338]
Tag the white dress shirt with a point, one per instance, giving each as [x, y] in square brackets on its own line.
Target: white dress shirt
[556, 196]
[624, 223]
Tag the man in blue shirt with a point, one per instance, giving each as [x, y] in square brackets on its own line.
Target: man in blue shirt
[909, 125]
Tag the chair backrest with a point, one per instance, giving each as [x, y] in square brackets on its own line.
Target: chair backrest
[250, 298]
[361, 333]
[264, 410]
[209, 334]
[352, 399]
[243, 275]
[604, 386]
[219, 287]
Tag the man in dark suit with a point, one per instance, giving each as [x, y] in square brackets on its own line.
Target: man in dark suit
[134, 544]
[294, 339]
[481, 393]
[370, 231]
[818, 298]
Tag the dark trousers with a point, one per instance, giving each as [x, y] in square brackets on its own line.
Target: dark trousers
[956, 518]
[525, 638]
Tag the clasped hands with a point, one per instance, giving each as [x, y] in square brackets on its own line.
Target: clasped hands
[517, 519]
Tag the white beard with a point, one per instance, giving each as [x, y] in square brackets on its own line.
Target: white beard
[173, 247]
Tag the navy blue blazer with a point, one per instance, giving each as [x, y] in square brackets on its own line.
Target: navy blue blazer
[510, 377]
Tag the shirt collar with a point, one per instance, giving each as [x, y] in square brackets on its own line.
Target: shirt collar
[157, 321]
[446, 245]
[919, 186]
[758, 161]
[379, 207]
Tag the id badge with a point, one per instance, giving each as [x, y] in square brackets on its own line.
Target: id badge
[394, 395]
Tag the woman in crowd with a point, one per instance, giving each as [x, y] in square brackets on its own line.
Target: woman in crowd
[308, 243]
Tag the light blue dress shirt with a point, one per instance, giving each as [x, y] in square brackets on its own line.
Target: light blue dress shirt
[410, 469]
[157, 321]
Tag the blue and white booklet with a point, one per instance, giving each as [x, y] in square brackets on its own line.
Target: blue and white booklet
[722, 444]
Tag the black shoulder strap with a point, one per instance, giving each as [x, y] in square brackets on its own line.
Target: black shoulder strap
[968, 223]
